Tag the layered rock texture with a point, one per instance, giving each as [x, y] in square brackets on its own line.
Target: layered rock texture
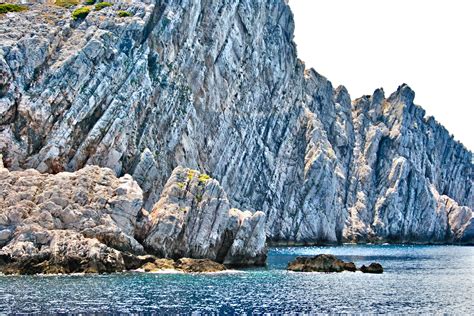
[91, 221]
[193, 218]
[216, 86]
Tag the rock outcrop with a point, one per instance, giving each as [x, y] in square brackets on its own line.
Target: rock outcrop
[374, 267]
[217, 86]
[320, 263]
[329, 263]
[92, 221]
[193, 218]
[68, 222]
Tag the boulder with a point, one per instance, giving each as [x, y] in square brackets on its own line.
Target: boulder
[91, 221]
[320, 263]
[67, 222]
[374, 267]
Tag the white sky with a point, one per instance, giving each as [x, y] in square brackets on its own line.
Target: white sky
[367, 44]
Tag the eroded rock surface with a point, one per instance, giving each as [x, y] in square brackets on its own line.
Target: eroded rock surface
[90, 220]
[193, 218]
[68, 222]
[217, 86]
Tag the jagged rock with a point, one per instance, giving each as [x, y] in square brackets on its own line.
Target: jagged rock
[68, 222]
[320, 263]
[374, 267]
[218, 87]
[193, 219]
[87, 221]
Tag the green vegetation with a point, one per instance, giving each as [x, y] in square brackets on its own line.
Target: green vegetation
[190, 175]
[99, 6]
[181, 185]
[89, 2]
[81, 13]
[204, 178]
[123, 14]
[6, 7]
[66, 3]
[199, 198]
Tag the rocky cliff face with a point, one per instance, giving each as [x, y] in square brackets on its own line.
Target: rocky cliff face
[217, 86]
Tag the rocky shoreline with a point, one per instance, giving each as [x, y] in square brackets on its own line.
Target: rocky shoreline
[92, 221]
[110, 125]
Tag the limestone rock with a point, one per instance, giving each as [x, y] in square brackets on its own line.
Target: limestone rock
[68, 222]
[218, 87]
[193, 219]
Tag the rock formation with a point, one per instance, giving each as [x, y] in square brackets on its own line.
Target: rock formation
[374, 267]
[320, 263]
[217, 86]
[329, 263]
[193, 219]
[91, 221]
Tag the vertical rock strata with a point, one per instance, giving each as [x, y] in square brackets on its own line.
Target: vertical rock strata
[216, 86]
[193, 218]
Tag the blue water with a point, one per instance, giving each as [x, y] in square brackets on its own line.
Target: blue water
[417, 279]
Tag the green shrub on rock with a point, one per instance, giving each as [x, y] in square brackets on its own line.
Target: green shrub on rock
[99, 6]
[80, 13]
[6, 7]
[123, 14]
[66, 3]
[89, 2]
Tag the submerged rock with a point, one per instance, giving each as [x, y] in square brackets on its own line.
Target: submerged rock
[374, 267]
[68, 222]
[320, 263]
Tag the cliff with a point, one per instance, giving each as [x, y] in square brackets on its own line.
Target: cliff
[216, 86]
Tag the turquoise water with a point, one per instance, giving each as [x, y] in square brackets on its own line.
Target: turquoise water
[417, 279]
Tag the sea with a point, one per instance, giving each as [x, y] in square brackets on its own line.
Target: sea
[416, 280]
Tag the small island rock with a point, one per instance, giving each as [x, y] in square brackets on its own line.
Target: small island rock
[320, 263]
[374, 267]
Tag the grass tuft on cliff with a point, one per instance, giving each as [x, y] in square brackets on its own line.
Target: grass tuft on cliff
[123, 14]
[81, 13]
[7, 7]
[89, 2]
[66, 3]
[99, 6]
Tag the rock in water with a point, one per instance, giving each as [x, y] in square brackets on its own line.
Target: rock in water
[320, 263]
[193, 219]
[374, 267]
[218, 87]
